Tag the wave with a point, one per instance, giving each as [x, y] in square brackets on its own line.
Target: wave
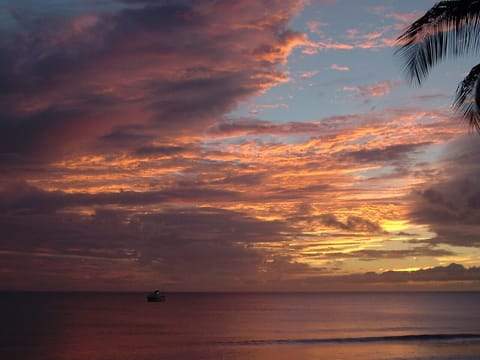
[368, 339]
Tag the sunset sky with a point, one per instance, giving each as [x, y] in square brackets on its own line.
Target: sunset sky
[228, 146]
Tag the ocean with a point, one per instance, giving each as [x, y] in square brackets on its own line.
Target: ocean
[257, 326]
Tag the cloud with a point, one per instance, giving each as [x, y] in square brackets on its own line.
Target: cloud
[404, 18]
[354, 34]
[69, 81]
[316, 27]
[374, 39]
[159, 150]
[329, 45]
[366, 92]
[22, 198]
[185, 246]
[451, 277]
[376, 255]
[117, 153]
[449, 204]
[339, 67]
[452, 272]
[239, 127]
[308, 74]
[352, 223]
[387, 154]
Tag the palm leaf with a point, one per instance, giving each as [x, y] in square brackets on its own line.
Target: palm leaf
[449, 28]
[467, 99]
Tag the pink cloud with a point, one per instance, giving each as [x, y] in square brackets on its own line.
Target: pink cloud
[308, 74]
[374, 90]
[315, 27]
[339, 67]
[371, 40]
[332, 45]
[405, 18]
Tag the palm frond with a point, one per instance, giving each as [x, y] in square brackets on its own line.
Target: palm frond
[467, 99]
[450, 27]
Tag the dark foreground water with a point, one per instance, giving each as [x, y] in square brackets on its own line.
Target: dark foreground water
[357, 326]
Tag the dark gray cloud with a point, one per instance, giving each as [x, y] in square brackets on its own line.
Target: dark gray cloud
[353, 223]
[159, 150]
[243, 179]
[22, 198]
[350, 226]
[388, 154]
[169, 68]
[239, 127]
[451, 277]
[373, 255]
[449, 203]
[188, 247]
[452, 272]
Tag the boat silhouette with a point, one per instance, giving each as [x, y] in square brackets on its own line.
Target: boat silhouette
[156, 296]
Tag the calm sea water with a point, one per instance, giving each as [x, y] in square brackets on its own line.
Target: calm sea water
[357, 326]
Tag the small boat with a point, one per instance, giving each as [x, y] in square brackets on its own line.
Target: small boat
[156, 296]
